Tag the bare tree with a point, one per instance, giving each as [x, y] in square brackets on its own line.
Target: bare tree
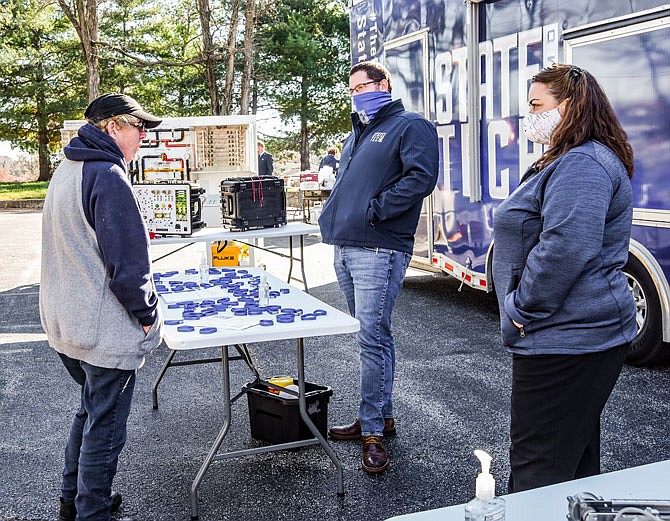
[83, 14]
[231, 50]
[249, 47]
[209, 54]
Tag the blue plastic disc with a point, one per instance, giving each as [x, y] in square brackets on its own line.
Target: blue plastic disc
[185, 329]
[207, 330]
[308, 316]
[172, 322]
[266, 323]
[320, 312]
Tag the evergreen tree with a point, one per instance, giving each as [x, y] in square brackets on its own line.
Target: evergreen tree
[303, 62]
[42, 81]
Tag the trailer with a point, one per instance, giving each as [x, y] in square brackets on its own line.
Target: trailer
[466, 66]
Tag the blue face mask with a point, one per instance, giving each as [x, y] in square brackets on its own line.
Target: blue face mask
[368, 104]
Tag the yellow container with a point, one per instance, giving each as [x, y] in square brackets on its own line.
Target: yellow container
[281, 381]
[225, 253]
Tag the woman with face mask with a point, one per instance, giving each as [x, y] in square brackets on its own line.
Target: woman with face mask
[567, 316]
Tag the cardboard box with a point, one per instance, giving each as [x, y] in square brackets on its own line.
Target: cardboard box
[226, 253]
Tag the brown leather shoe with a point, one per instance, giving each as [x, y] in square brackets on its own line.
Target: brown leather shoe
[353, 430]
[375, 458]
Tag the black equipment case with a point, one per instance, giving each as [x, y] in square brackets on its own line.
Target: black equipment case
[250, 203]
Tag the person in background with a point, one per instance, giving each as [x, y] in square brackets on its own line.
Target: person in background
[98, 304]
[330, 160]
[265, 161]
[567, 315]
[389, 164]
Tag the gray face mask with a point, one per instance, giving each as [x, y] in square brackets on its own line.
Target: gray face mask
[538, 128]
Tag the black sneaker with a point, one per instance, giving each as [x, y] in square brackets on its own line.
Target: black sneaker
[68, 511]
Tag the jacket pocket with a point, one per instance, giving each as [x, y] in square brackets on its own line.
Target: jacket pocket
[512, 335]
[155, 335]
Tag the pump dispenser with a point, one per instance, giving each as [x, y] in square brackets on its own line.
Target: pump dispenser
[204, 269]
[485, 506]
[263, 291]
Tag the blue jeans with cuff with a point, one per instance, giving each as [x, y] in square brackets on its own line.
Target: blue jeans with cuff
[97, 435]
[371, 279]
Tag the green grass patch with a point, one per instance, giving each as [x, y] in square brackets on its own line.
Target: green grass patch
[16, 191]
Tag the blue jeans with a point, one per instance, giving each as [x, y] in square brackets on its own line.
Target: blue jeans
[96, 438]
[370, 279]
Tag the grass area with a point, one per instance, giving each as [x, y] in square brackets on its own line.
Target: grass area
[16, 191]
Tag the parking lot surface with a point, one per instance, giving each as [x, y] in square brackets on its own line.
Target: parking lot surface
[452, 396]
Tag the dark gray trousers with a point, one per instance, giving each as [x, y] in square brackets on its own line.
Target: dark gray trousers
[555, 415]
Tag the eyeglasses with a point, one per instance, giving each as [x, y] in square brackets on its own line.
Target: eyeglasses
[141, 125]
[358, 88]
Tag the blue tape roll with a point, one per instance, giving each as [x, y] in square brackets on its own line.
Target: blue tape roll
[308, 316]
[266, 323]
[285, 319]
[320, 312]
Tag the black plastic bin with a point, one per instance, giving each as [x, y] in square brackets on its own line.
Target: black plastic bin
[251, 203]
[277, 419]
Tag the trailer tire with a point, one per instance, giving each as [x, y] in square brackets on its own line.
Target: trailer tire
[647, 348]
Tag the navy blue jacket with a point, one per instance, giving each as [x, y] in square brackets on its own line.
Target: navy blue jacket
[266, 165]
[386, 170]
[111, 209]
[561, 239]
[329, 160]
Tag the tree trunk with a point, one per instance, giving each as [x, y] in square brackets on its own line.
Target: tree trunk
[90, 22]
[84, 18]
[44, 158]
[249, 46]
[205, 14]
[231, 49]
[304, 131]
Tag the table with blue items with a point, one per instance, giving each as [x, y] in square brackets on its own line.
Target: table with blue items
[250, 238]
[225, 312]
[647, 486]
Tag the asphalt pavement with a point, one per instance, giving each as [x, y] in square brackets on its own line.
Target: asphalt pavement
[452, 396]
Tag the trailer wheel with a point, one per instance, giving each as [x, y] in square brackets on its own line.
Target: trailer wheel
[647, 348]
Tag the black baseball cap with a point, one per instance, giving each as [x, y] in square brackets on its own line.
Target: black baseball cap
[113, 104]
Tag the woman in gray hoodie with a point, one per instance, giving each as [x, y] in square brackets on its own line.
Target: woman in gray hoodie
[567, 315]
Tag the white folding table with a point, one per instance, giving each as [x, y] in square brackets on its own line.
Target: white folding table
[249, 237]
[326, 321]
[550, 503]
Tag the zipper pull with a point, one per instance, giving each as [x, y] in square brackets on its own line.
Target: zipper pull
[522, 332]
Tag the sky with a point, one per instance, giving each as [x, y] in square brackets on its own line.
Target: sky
[6, 150]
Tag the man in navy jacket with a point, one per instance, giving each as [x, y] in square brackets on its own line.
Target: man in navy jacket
[266, 165]
[389, 164]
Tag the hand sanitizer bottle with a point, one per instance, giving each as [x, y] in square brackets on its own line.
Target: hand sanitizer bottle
[204, 269]
[263, 291]
[485, 506]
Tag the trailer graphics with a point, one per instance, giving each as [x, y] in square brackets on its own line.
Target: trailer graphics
[467, 67]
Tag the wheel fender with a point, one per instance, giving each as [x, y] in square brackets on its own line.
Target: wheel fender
[645, 257]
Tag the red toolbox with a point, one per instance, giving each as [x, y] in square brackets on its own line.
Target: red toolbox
[250, 203]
